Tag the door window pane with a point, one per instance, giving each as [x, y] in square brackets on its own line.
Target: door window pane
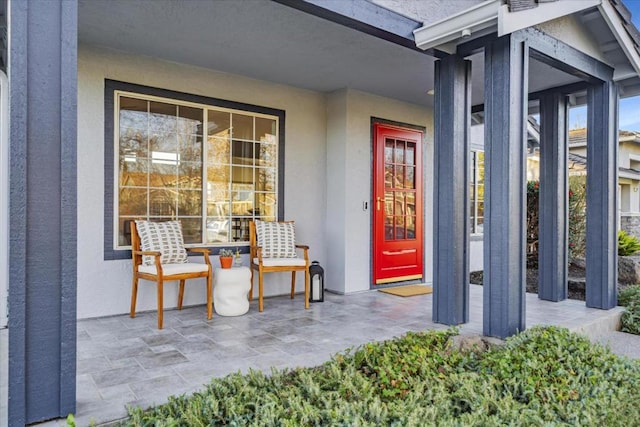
[410, 181]
[388, 151]
[411, 154]
[400, 208]
[388, 227]
[476, 191]
[399, 157]
[388, 176]
[400, 233]
[411, 227]
[399, 178]
[388, 202]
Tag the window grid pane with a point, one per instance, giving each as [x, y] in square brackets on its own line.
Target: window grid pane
[166, 170]
[476, 192]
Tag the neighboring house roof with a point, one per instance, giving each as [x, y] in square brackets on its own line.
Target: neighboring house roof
[577, 162]
[578, 137]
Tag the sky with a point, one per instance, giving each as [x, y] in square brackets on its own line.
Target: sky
[629, 107]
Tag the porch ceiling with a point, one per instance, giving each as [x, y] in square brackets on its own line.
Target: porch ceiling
[269, 41]
[259, 39]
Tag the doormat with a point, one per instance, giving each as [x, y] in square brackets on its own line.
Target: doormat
[408, 291]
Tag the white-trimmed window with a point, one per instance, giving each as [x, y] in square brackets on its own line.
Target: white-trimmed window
[476, 191]
[213, 168]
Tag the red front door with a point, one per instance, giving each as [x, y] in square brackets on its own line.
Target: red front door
[397, 205]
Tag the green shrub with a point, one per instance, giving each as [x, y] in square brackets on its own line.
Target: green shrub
[577, 216]
[533, 219]
[628, 295]
[631, 319]
[577, 203]
[544, 376]
[627, 244]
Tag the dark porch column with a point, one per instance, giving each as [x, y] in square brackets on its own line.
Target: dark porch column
[42, 251]
[602, 195]
[506, 75]
[451, 191]
[552, 245]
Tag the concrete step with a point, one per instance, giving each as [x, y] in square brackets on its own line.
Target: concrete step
[603, 323]
[605, 329]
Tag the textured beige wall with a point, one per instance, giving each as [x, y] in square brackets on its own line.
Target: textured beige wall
[427, 11]
[353, 160]
[572, 32]
[104, 286]
[327, 174]
[337, 166]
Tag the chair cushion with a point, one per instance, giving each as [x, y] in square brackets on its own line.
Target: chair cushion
[164, 237]
[277, 239]
[171, 269]
[281, 262]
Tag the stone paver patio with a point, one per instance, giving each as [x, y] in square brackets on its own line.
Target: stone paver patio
[124, 361]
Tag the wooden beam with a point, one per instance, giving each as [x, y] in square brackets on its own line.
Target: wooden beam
[452, 112]
[506, 83]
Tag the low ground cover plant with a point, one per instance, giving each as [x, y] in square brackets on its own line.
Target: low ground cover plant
[629, 297]
[544, 376]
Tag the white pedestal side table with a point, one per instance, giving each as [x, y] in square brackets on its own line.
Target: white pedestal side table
[230, 290]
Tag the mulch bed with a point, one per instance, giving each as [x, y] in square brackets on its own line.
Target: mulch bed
[576, 283]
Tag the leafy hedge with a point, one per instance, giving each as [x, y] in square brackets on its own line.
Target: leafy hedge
[544, 376]
[629, 297]
[577, 203]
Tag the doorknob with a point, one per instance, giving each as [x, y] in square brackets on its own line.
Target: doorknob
[378, 203]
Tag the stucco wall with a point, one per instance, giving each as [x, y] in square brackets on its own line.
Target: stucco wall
[354, 161]
[337, 166]
[570, 31]
[427, 11]
[104, 287]
[327, 174]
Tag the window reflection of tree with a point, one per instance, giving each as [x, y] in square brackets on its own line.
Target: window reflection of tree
[399, 178]
[154, 137]
[161, 160]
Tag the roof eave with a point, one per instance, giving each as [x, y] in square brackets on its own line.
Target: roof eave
[492, 14]
[624, 40]
[459, 26]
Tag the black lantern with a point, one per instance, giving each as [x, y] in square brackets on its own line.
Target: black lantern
[316, 274]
